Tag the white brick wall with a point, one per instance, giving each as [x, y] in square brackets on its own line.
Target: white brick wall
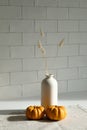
[60, 62]
[33, 64]
[68, 3]
[68, 50]
[34, 92]
[47, 26]
[62, 86]
[55, 38]
[78, 13]
[83, 49]
[83, 3]
[79, 38]
[66, 74]
[83, 26]
[77, 85]
[4, 26]
[57, 13]
[23, 77]
[4, 79]
[78, 61]
[34, 13]
[22, 26]
[10, 12]
[32, 38]
[82, 72]
[48, 3]
[68, 26]
[10, 39]
[21, 2]
[3, 2]
[21, 63]
[22, 52]
[10, 92]
[10, 65]
[4, 52]
[49, 53]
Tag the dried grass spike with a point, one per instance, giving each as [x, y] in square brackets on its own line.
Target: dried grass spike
[41, 47]
[42, 33]
[61, 43]
[43, 50]
[39, 44]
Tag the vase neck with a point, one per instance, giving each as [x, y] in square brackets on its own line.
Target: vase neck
[49, 75]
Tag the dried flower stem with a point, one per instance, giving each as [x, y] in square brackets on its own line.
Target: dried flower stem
[43, 51]
[61, 43]
[46, 67]
[42, 33]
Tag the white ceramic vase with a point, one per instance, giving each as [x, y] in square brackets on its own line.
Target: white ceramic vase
[49, 91]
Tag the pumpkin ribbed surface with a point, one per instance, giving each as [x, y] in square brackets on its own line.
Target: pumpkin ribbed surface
[56, 112]
[35, 112]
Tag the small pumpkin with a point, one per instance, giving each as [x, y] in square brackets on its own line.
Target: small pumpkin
[35, 112]
[56, 112]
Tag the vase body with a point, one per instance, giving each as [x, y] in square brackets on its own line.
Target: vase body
[49, 91]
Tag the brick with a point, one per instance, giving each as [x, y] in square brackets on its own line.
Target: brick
[22, 52]
[32, 90]
[10, 92]
[32, 38]
[47, 3]
[77, 13]
[39, 64]
[41, 74]
[37, 13]
[59, 62]
[46, 26]
[82, 72]
[21, 2]
[4, 79]
[68, 50]
[10, 39]
[83, 3]
[4, 26]
[55, 38]
[23, 77]
[62, 86]
[33, 64]
[10, 12]
[78, 38]
[77, 85]
[83, 26]
[22, 26]
[51, 51]
[57, 13]
[3, 2]
[68, 3]
[78, 61]
[66, 74]
[68, 26]
[83, 49]
[10, 65]
[4, 52]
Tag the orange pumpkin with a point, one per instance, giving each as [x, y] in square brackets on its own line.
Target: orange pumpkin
[56, 112]
[35, 112]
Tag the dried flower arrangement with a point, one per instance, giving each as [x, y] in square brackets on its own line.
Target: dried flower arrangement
[43, 51]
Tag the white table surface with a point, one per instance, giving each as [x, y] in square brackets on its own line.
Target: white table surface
[12, 114]
[16, 120]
